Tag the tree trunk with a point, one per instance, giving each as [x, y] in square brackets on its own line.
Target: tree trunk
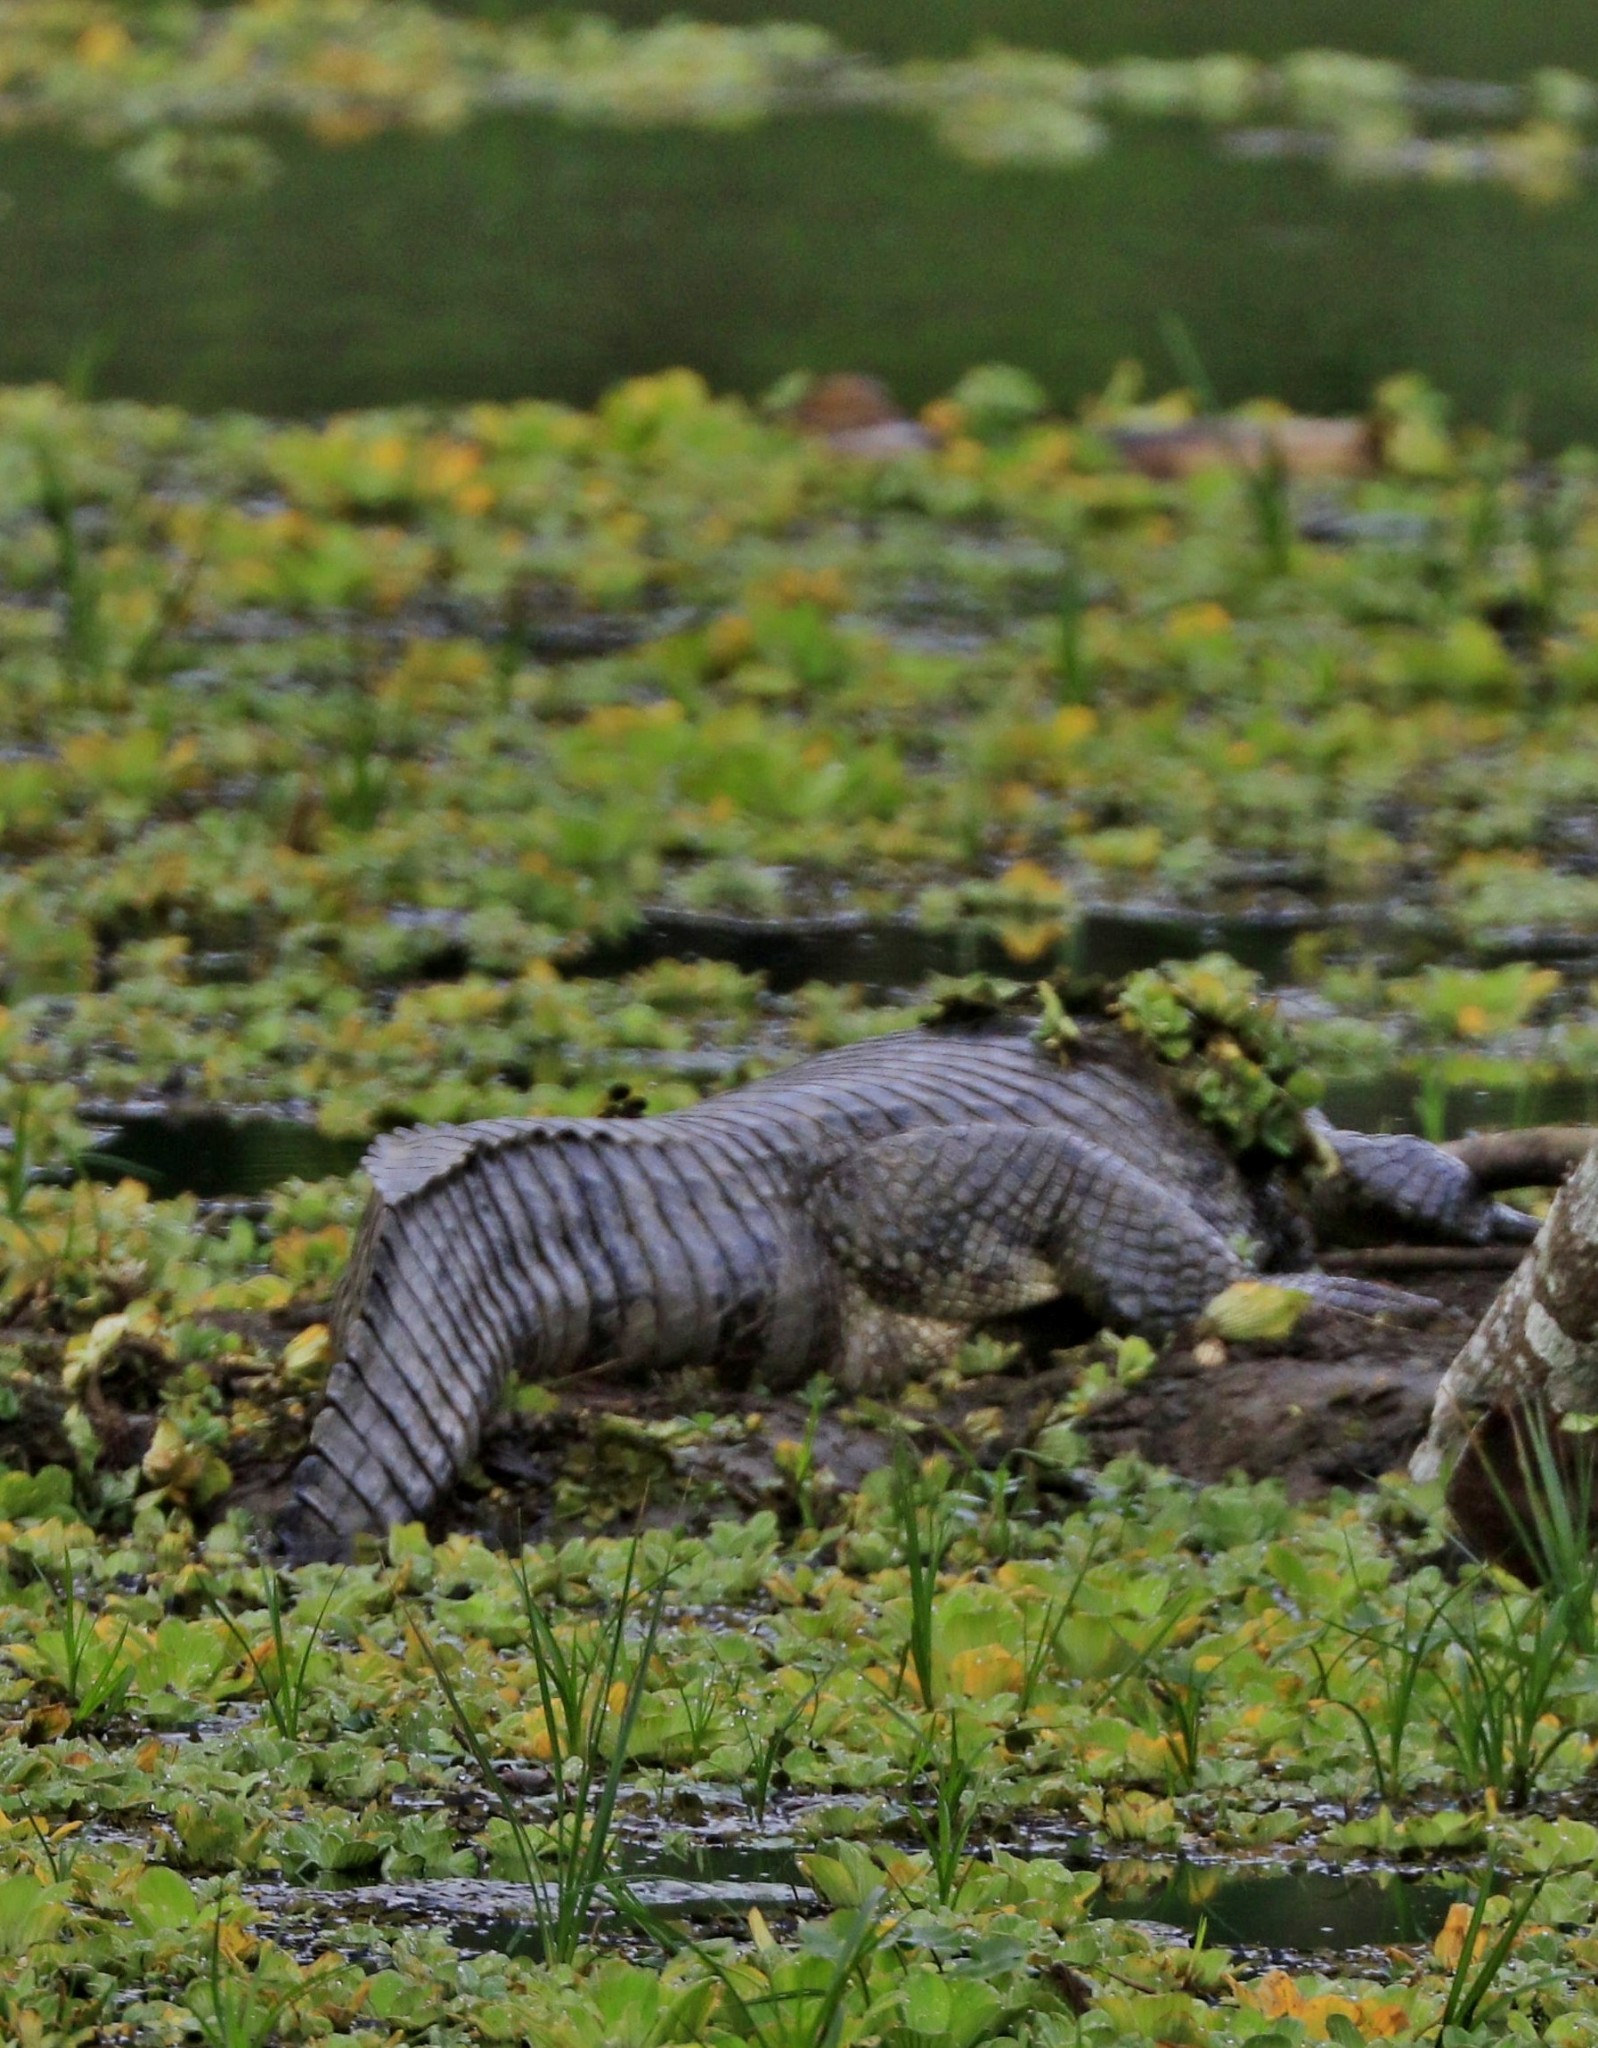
[1534, 1352]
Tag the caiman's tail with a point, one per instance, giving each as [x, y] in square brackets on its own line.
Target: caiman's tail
[532, 1245]
[426, 1331]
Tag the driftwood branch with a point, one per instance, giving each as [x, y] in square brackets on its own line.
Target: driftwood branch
[1426, 1258]
[1539, 1158]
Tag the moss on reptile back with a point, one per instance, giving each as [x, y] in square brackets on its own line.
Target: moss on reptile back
[1229, 1058]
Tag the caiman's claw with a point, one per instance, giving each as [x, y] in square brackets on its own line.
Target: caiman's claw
[1508, 1225]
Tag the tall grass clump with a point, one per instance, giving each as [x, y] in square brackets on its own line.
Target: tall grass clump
[84, 646]
[1501, 1672]
[285, 1672]
[923, 1551]
[1511, 1657]
[77, 1656]
[1470, 1999]
[235, 2008]
[95, 667]
[1270, 501]
[1550, 1513]
[1398, 1659]
[590, 1735]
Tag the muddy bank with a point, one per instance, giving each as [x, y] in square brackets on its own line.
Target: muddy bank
[1340, 1402]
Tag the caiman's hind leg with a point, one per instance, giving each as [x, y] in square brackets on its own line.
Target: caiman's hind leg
[939, 1231]
[883, 1347]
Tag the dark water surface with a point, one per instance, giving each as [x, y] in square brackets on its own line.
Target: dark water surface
[1269, 1911]
[1301, 1910]
[220, 1155]
[220, 1152]
[216, 1156]
[522, 255]
[1299, 1907]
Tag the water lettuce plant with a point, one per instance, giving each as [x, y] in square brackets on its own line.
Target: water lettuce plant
[448, 1719]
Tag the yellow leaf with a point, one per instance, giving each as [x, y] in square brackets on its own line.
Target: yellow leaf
[1029, 882]
[1252, 1311]
[987, 1670]
[1027, 942]
[1201, 621]
[102, 42]
[530, 1736]
[1378, 2022]
[1278, 1997]
[1275, 1995]
[1075, 722]
[1450, 1943]
[308, 1352]
[235, 1942]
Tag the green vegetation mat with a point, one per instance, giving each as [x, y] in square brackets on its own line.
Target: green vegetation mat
[950, 1724]
[325, 752]
[332, 759]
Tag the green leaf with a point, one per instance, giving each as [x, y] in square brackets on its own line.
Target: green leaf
[846, 1877]
[1256, 1311]
[30, 1912]
[45, 1492]
[162, 1902]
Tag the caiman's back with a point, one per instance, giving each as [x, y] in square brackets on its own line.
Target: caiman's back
[986, 1074]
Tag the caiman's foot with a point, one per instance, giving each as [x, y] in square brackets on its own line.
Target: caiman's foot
[1360, 1297]
[883, 1347]
[1402, 1187]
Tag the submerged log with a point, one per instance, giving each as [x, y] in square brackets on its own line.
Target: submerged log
[1540, 1157]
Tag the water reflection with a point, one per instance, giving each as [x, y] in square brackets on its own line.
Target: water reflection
[1297, 1909]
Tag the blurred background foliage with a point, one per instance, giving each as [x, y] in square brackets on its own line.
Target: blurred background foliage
[294, 208]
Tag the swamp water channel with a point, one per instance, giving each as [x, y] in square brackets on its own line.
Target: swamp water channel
[519, 253]
[214, 1153]
[1270, 1915]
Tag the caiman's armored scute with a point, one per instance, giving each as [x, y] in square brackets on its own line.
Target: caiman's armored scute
[862, 1213]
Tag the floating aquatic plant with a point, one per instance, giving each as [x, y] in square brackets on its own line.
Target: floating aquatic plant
[1231, 1057]
[168, 76]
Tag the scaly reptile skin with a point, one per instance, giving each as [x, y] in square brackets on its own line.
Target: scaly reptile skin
[863, 1213]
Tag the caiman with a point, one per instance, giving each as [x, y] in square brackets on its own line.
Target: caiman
[864, 1213]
